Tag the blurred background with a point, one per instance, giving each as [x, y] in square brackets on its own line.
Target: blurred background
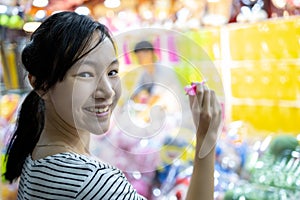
[252, 47]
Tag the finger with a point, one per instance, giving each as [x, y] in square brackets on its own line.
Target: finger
[214, 102]
[191, 101]
[199, 94]
[212, 99]
[206, 99]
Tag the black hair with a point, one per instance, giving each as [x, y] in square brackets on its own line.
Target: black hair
[56, 45]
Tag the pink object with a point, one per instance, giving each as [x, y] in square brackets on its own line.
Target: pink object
[157, 49]
[192, 89]
[126, 54]
[173, 54]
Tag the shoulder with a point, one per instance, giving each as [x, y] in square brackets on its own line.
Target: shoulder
[61, 174]
[106, 182]
[69, 165]
[70, 160]
[93, 178]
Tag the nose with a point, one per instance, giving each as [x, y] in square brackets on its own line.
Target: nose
[104, 89]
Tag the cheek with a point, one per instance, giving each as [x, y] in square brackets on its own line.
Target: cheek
[81, 91]
[118, 91]
[68, 99]
[80, 96]
[62, 104]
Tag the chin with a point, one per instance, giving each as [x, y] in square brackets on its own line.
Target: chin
[98, 134]
[99, 131]
[96, 127]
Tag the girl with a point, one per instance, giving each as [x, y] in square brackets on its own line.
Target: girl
[73, 69]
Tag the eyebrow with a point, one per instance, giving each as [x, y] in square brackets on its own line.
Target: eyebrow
[88, 63]
[114, 62]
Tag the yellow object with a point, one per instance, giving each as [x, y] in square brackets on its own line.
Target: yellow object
[8, 105]
[5, 75]
[12, 66]
[265, 74]
[258, 62]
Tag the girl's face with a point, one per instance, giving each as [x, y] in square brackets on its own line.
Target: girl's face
[87, 96]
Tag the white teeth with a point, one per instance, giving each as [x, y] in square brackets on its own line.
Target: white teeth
[98, 110]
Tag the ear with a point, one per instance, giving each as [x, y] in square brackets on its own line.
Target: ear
[31, 80]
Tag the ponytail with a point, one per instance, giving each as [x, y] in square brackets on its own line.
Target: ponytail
[30, 124]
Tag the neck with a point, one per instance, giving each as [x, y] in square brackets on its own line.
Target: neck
[58, 133]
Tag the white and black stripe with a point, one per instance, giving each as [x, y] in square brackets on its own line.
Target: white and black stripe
[73, 176]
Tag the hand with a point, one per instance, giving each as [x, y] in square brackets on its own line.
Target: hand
[207, 118]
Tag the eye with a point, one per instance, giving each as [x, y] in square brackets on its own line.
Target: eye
[85, 74]
[113, 73]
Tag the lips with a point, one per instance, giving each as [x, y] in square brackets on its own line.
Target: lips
[98, 110]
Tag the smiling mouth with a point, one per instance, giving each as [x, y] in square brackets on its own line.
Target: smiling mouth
[98, 110]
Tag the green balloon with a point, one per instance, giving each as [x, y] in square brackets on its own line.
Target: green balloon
[12, 21]
[15, 22]
[4, 20]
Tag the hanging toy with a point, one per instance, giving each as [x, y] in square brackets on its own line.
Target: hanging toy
[127, 60]
[156, 45]
[173, 56]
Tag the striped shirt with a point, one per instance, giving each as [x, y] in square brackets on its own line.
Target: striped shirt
[73, 176]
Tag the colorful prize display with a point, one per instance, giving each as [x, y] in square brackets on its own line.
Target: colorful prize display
[247, 51]
[152, 131]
